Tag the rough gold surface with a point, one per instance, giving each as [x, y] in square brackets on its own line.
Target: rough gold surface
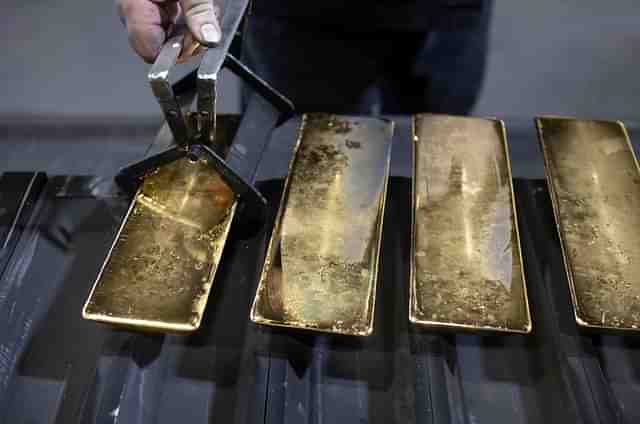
[594, 180]
[161, 267]
[466, 265]
[321, 267]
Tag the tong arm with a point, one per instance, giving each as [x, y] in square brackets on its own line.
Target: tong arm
[210, 67]
[161, 86]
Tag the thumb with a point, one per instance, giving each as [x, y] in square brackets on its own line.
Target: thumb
[202, 20]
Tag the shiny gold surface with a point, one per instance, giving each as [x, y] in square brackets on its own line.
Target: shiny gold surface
[466, 270]
[322, 263]
[594, 181]
[161, 267]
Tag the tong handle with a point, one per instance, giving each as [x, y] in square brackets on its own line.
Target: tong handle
[210, 66]
[160, 82]
[194, 132]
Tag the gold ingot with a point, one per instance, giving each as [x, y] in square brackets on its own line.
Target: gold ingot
[466, 263]
[594, 182]
[160, 269]
[321, 267]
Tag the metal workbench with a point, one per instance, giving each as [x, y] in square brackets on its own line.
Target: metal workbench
[57, 368]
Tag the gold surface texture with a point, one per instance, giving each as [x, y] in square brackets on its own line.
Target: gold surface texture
[160, 269]
[466, 270]
[321, 267]
[594, 182]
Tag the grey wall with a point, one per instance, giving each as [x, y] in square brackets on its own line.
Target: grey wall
[570, 57]
[548, 56]
[72, 57]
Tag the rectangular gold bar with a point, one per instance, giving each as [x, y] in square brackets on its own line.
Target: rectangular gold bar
[160, 269]
[466, 263]
[321, 267]
[594, 182]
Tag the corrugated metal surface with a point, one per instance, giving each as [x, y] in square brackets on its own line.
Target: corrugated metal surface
[57, 368]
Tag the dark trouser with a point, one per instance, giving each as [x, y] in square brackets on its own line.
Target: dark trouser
[326, 67]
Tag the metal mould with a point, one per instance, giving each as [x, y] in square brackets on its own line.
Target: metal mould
[321, 266]
[594, 182]
[466, 263]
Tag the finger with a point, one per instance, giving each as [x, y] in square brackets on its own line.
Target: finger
[147, 23]
[190, 48]
[202, 20]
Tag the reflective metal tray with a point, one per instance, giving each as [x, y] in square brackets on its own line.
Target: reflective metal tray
[594, 183]
[466, 263]
[321, 267]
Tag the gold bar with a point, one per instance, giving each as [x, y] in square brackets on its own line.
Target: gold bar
[466, 263]
[161, 266]
[321, 267]
[594, 181]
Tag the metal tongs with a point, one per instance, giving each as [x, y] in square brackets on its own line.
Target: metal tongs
[194, 132]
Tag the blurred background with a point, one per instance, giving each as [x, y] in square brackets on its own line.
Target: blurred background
[69, 61]
[573, 57]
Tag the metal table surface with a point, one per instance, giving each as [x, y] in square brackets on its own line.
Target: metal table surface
[57, 368]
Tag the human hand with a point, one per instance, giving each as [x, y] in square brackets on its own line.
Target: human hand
[150, 22]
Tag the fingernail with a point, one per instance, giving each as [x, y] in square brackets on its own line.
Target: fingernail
[210, 33]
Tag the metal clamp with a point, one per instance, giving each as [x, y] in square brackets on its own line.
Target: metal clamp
[199, 128]
[194, 132]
